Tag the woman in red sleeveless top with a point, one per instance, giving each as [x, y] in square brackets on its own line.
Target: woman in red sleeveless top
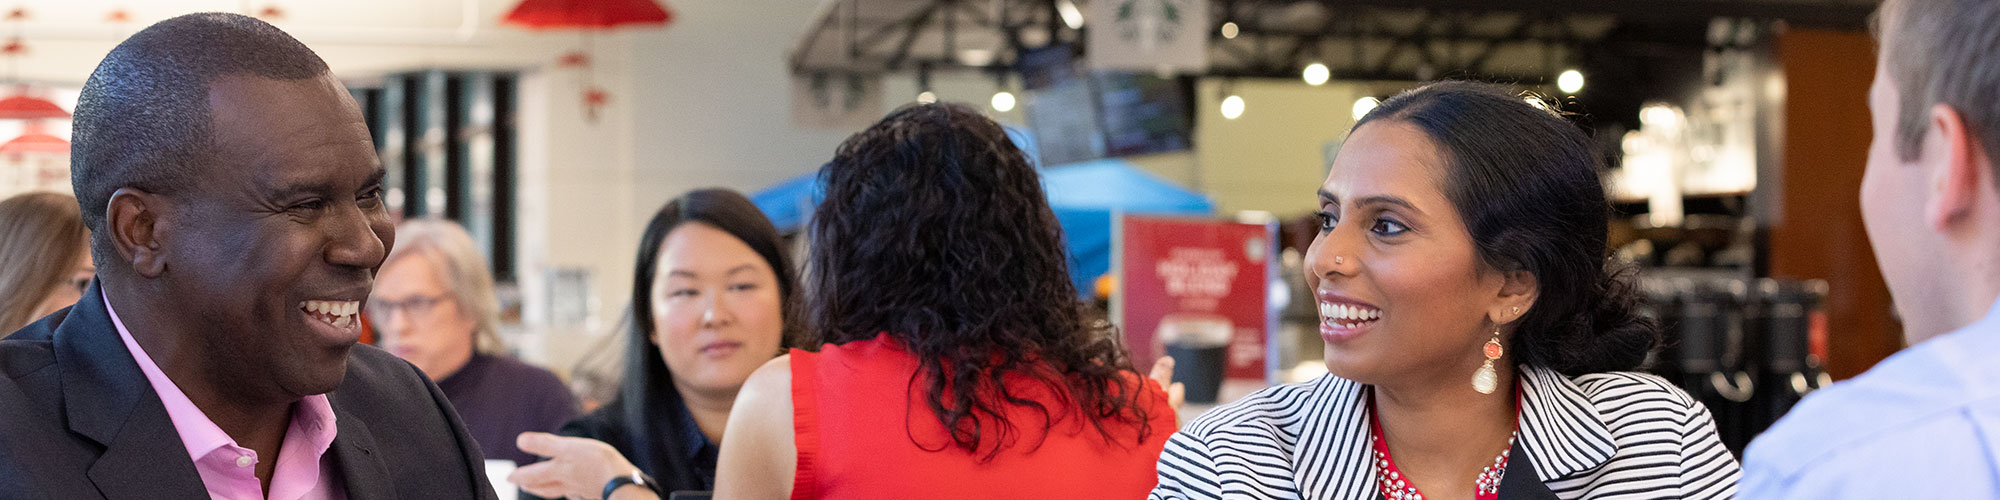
[957, 361]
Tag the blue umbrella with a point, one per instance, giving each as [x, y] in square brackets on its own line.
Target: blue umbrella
[1083, 195]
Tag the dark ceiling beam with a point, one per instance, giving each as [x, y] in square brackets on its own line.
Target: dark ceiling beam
[907, 24]
[1522, 26]
[902, 51]
[1820, 14]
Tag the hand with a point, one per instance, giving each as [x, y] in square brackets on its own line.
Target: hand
[1163, 372]
[576, 467]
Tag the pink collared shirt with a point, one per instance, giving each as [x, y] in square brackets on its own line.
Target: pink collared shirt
[228, 471]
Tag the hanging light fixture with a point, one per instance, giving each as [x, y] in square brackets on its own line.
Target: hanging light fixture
[1071, 16]
[1364, 105]
[588, 16]
[1003, 101]
[1316, 74]
[34, 141]
[1570, 81]
[21, 106]
[1232, 107]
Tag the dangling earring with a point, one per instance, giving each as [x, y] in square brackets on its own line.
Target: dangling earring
[1486, 380]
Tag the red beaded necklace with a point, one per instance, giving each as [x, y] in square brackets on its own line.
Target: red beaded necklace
[1395, 486]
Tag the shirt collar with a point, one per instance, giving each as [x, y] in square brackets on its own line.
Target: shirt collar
[199, 434]
[313, 414]
[694, 442]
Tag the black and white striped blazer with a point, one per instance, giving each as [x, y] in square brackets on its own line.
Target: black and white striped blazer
[1619, 435]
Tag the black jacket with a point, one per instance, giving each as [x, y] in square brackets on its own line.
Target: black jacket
[78, 420]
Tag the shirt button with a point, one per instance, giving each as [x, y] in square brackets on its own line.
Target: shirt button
[245, 461]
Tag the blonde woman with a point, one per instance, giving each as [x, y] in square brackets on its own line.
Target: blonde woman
[434, 305]
[44, 257]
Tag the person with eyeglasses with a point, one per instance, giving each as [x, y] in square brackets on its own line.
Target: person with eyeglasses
[44, 257]
[434, 305]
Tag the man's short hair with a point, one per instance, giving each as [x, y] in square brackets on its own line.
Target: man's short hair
[1943, 51]
[143, 119]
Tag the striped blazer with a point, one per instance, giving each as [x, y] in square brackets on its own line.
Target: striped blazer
[1619, 435]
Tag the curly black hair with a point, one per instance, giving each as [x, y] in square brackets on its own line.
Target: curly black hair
[936, 232]
[1526, 182]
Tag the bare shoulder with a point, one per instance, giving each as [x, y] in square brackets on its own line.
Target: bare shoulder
[759, 449]
[770, 384]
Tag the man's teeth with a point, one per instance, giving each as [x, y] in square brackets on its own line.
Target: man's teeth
[1349, 313]
[339, 313]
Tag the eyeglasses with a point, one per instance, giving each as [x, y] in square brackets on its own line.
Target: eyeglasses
[418, 306]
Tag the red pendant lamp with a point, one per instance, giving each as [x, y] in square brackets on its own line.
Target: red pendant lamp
[34, 140]
[587, 14]
[21, 106]
[589, 17]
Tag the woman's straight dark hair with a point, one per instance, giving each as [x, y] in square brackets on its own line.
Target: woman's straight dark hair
[1526, 182]
[647, 400]
[936, 232]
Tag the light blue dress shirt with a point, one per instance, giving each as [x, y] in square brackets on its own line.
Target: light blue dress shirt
[1924, 423]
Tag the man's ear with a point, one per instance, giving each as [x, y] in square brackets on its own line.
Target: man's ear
[1958, 171]
[133, 222]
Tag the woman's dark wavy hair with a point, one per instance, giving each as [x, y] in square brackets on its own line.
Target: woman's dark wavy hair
[935, 231]
[647, 401]
[1526, 182]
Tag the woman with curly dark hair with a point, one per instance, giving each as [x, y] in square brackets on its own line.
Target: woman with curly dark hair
[1478, 344]
[955, 359]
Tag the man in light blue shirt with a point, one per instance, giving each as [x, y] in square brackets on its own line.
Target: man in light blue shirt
[1924, 423]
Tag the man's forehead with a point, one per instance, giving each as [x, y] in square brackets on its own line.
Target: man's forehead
[249, 108]
[238, 93]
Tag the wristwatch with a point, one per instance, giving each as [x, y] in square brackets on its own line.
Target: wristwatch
[636, 477]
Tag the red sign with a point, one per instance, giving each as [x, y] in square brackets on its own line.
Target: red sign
[1199, 281]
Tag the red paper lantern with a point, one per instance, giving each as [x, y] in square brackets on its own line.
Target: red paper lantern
[35, 142]
[22, 107]
[587, 14]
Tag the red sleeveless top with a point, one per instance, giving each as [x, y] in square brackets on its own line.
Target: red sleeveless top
[855, 413]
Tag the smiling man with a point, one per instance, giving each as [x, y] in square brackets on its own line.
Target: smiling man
[234, 202]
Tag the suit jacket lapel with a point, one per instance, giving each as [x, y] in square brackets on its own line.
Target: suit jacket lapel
[1561, 434]
[1332, 454]
[1520, 482]
[1560, 429]
[108, 400]
[361, 467]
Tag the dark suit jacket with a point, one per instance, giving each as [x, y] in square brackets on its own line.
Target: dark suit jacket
[79, 420]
